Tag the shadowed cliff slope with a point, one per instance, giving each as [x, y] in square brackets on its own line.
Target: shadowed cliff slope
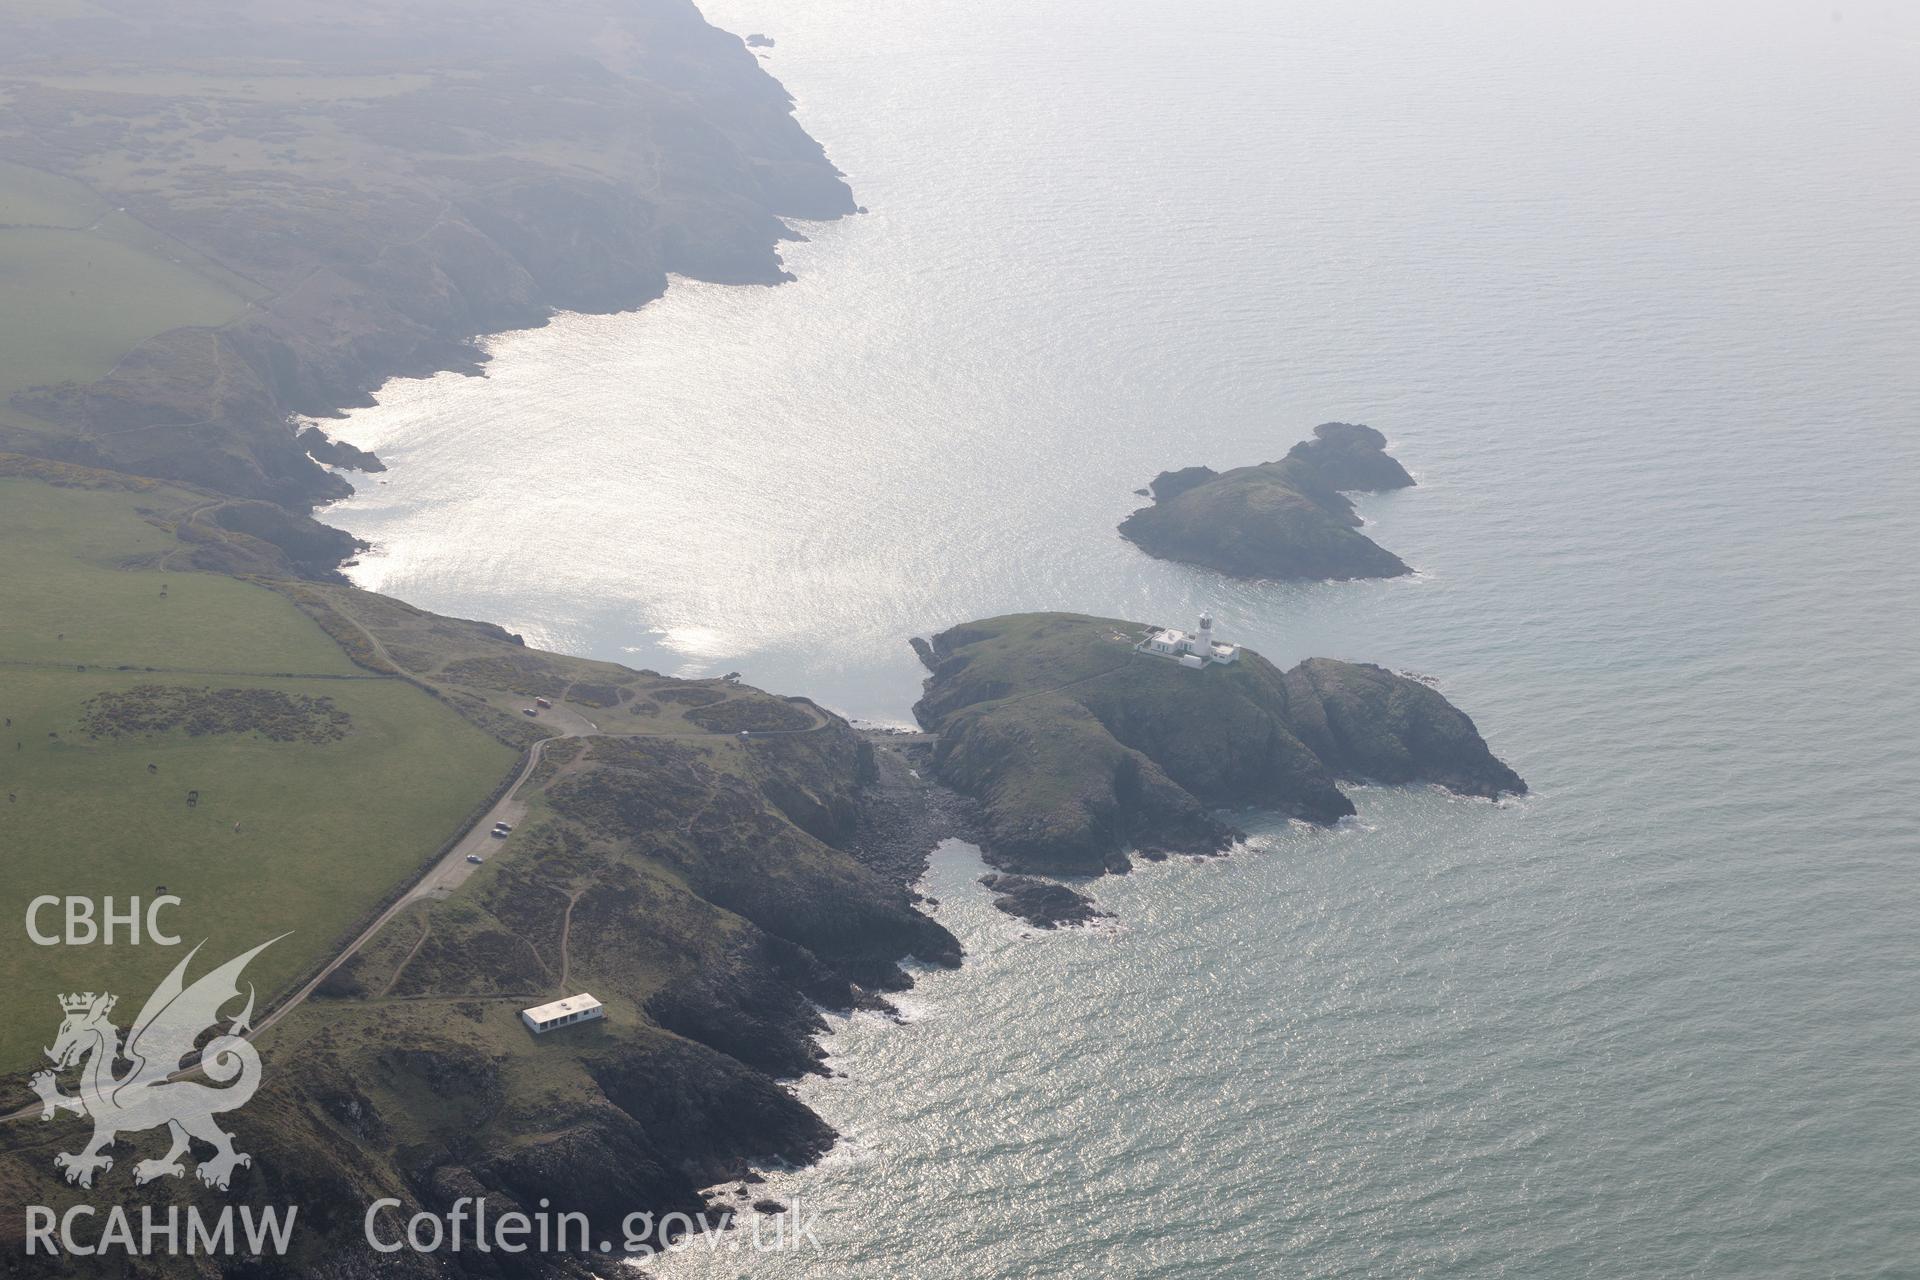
[369, 185]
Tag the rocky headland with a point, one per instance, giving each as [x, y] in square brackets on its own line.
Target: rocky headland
[716, 891]
[1288, 519]
[1081, 750]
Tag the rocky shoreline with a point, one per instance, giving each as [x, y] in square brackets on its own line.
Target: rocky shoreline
[450, 237]
[906, 811]
[727, 890]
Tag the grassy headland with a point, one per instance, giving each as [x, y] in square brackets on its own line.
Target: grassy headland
[696, 879]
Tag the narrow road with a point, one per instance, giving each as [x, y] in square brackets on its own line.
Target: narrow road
[450, 871]
[445, 875]
[453, 868]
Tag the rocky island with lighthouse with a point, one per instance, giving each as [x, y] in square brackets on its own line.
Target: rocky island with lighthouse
[1088, 739]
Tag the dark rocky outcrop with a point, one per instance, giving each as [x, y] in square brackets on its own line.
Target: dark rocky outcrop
[311, 548]
[1345, 456]
[1282, 520]
[1169, 485]
[1042, 903]
[741, 851]
[338, 453]
[1367, 723]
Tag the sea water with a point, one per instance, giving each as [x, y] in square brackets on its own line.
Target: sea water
[1632, 289]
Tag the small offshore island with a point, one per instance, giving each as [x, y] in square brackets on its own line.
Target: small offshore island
[1288, 519]
[1081, 747]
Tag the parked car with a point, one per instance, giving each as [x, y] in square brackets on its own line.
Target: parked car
[475, 859]
[543, 702]
[503, 827]
[529, 711]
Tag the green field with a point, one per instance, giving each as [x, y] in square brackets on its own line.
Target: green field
[79, 300]
[86, 283]
[295, 835]
[67, 599]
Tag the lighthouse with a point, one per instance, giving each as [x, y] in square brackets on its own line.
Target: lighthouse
[1196, 650]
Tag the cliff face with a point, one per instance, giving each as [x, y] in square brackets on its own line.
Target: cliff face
[1280, 520]
[673, 878]
[1081, 749]
[1365, 722]
[412, 175]
[715, 891]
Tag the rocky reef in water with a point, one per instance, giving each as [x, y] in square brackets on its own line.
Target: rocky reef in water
[1041, 903]
[1080, 750]
[337, 453]
[1288, 519]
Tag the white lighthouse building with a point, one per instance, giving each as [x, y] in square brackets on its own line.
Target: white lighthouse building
[1190, 650]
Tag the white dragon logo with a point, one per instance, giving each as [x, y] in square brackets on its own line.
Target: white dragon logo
[172, 1021]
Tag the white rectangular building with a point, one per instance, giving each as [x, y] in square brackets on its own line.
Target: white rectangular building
[1196, 650]
[561, 1013]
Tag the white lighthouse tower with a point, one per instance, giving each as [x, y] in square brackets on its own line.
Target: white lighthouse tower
[1196, 650]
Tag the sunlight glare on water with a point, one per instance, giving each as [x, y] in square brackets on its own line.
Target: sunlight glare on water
[1631, 288]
